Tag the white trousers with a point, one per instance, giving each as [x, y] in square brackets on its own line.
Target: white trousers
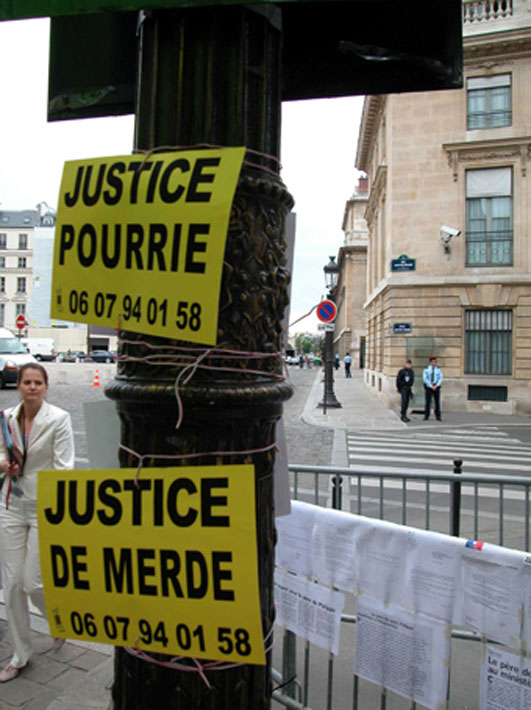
[21, 573]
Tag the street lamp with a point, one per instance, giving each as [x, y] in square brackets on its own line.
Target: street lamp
[331, 272]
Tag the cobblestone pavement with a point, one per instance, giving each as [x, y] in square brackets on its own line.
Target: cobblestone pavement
[306, 444]
[51, 677]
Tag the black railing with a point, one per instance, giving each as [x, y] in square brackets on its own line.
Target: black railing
[489, 119]
[497, 248]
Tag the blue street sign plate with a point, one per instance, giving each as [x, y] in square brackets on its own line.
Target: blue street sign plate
[403, 263]
[402, 328]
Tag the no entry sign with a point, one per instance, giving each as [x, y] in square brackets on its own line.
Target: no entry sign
[20, 322]
[326, 311]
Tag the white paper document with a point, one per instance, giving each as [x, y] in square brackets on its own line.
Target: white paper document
[381, 550]
[493, 592]
[403, 652]
[527, 602]
[505, 681]
[309, 610]
[294, 542]
[433, 572]
[334, 548]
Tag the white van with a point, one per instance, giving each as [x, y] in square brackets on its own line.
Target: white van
[13, 353]
[41, 348]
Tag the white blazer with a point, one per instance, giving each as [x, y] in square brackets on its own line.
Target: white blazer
[50, 445]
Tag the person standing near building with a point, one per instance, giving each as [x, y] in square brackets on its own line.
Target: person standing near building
[432, 378]
[404, 383]
[348, 362]
[336, 361]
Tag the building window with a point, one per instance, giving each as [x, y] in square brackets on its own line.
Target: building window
[2, 284]
[2, 314]
[22, 241]
[488, 342]
[489, 101]
[3, 240]
[21, 309]
[489, 217]
[21, 284]
[2, 262]
[21, 262]
[487, 393]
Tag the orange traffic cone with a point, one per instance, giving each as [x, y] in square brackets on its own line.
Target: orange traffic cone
[96, 382]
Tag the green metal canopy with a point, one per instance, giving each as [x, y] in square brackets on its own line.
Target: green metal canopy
[20, 9]
[330, 48]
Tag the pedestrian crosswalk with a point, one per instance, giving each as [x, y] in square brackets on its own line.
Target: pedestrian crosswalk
[485, 450]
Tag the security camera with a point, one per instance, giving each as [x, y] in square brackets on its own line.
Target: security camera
[449, 231]
[446, 235]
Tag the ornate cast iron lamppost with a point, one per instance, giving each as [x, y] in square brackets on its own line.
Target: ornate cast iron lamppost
[331, 272]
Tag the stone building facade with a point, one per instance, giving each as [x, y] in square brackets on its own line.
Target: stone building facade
[16, 263]
[449, 193]
[350, 327]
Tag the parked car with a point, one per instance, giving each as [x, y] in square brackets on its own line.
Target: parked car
[71, 356]
[13, 353]
[101, 356]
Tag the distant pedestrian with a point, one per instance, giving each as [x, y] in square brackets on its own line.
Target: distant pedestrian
[404, 383]
[336, 361]
[301, 361]
[432, 378]
[347, 360]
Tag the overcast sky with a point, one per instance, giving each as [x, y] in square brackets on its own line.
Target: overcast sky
[318, 149]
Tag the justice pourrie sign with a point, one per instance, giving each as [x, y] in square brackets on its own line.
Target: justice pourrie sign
[140, 241]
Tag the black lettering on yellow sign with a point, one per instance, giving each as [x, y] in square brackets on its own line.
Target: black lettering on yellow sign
[182, 501]
[65, 566]
[167, 560]
[148, 181]
[148, 572]
[133, 246]
[187, 574]
[153, 229]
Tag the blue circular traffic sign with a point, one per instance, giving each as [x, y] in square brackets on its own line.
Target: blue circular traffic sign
[326, 311]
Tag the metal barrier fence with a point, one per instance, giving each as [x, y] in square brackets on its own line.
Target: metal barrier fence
[491, 508]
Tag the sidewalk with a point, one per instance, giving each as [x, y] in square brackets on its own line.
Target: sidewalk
[361, 410]
[74, 678]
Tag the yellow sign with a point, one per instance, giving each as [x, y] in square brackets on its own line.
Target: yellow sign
[140, 242]
[168, 565]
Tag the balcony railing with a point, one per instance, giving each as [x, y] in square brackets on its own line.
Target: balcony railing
[489, 248]
[486, 10]
[489, 119]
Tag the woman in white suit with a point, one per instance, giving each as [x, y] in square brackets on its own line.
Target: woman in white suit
[41, 438]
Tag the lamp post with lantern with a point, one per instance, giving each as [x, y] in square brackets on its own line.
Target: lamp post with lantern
[331, 272]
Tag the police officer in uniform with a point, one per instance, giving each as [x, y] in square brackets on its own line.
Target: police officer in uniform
[404, 383]
[432, 378]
